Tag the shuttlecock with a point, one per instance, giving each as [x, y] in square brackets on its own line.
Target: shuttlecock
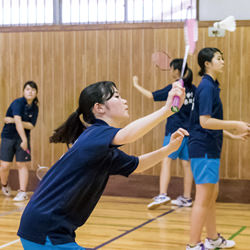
[226, 24]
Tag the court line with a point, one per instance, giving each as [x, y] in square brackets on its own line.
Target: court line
[133, 229]
[9, 243]
[19, 209]
[235, 234]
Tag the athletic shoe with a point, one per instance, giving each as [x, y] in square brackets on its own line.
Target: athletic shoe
[21, 196]
[181, 201]
[161, 199]
[6, 190]
[220, 242]
[199, 246]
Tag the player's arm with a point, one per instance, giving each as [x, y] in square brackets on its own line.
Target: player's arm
[208, 122]
[148, 160]
[26, 125]
[229, 135]
[142, 90]
[140, 127]
[20, 130]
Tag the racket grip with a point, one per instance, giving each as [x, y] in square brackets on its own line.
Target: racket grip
[175, 104]
[176, 100]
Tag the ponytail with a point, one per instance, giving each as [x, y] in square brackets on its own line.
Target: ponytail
[69, 131]
[72, 128]
[202, 71]
[188, 80]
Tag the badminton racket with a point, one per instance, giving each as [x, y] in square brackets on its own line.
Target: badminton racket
[41, 171]
[191, 37]
[161, 59]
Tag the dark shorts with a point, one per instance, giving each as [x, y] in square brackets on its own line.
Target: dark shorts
[11, 147]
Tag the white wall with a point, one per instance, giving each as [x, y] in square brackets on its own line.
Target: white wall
[219, 9]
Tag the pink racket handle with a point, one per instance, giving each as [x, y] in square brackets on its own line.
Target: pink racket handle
[176, 101]
[27, 151]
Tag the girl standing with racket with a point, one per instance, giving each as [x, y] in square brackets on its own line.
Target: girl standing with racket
[179, 119]
[70, 190]
[206, 133]
[20, 118]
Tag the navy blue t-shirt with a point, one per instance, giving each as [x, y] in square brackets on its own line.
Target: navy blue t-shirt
[181, 118]
[207, 102]
[27, 112]
[71, 189]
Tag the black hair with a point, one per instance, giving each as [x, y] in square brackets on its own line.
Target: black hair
[206, 55]
[71, 129]
[177, 64]
[33, 85]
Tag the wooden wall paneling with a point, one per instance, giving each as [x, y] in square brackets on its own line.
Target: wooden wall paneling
[148, 83]
[15, 86]
[125, 75]
[234, 66]
[113, 58]
[91, 57]
[245, 103]
[160, 80]
[57, 111]
[37, 134]
[102, 55]
[4, 76]
[80, 68]
[137, 101]
[69, 79]
[46, 87]
[63, 63]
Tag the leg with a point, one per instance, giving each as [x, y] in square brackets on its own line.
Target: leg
[188, 179]
[211, 218]
[5, 168]
[215, 240]
[23, 175]
[162, 198]
[200, 210]
[165, 175]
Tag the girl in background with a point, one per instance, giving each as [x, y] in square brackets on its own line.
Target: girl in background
[206, 134]
[20, 119]
[178, 120]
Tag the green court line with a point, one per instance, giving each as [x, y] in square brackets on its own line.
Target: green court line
[235, 234]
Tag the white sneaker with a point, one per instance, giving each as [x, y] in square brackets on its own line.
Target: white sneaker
[6, 190]
[181, 201]
[219, 243]
[161, 199]
[21, 196]
[199, 246]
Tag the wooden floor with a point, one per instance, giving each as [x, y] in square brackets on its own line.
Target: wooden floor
[125, 223]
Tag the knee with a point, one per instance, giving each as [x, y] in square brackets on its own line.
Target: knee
[5, 167]
[21, 165]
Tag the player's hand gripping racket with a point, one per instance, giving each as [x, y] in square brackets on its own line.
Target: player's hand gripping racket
[191, 37]
[41, 171]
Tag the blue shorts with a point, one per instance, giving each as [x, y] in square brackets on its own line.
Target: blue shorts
[182, 151]
[205, 170]
[11, 147]
[29, 245]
